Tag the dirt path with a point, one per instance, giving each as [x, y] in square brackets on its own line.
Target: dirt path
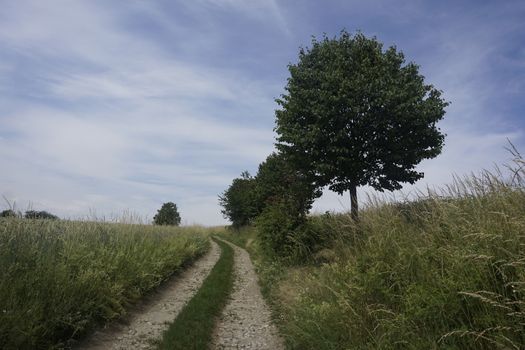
[245, 322]
[151, 318]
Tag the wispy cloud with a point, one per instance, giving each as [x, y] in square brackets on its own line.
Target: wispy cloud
[259, 10]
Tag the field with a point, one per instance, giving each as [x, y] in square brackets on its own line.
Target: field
[60, 279]
[445, 271]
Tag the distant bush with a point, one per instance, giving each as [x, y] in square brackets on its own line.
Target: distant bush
[9, 213]
[33, 214]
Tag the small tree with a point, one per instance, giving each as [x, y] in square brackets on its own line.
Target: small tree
[167, 215]
[239, 202]
[356, 115]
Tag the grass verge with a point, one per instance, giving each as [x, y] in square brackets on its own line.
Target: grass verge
[60, 279]
[193, 327]
[446, 271]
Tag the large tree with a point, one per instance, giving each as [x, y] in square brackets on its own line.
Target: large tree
[167, 215]
[354, 114]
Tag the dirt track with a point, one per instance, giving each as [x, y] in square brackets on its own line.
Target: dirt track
[244, 324]
[146, 323]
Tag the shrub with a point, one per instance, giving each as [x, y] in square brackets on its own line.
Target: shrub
[8, 213]
[34, 214]
[285, 232]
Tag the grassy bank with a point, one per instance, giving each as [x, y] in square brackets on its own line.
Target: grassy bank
[59, 279]
[193, 327]
[446, 271]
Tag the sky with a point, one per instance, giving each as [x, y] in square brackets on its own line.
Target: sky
[110, 107]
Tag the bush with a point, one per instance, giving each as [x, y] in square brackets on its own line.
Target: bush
[34, 214]
[275, 226]
[285, 232]
[9, 213]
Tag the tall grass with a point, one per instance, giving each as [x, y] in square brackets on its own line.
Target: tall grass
[59, 279]
[446, 271]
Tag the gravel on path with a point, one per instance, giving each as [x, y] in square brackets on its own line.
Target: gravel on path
[148, 321]
[246, 320]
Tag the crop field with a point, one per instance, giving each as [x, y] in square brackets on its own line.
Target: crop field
[60, 279]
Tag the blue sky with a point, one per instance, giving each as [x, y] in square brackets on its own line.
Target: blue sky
[107, 106]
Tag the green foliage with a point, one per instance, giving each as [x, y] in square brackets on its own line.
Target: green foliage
[354, 114]
[277, 179]
[34, 214]
[9, 213]
[443, 272]
[167, 215]
[239, 201]
[276, 227]
[286, 195]
[59, 279]
[193, 327]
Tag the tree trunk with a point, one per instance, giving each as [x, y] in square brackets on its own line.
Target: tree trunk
[353, 202]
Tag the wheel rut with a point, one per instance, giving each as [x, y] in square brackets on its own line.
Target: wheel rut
[246, 320]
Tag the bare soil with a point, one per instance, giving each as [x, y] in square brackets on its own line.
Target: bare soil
[246, 320]
[145, 324]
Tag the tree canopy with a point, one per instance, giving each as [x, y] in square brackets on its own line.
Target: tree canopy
[238, 201]
[167, 215]
[354, 114]
[277, 179]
